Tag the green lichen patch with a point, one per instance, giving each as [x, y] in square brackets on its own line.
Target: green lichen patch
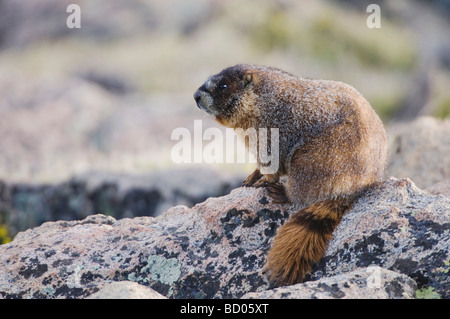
[165, 270]
[427, 293]
[160, 269]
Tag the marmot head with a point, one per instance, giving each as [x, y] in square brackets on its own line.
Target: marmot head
[224, 94]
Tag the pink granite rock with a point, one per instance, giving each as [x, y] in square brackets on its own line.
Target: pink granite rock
[217, 249]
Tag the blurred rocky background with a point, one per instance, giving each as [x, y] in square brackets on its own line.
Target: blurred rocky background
[86, 115]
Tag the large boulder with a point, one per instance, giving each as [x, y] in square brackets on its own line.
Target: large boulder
[217, 248]
[367, 283]
[398, 227]
[420, 150]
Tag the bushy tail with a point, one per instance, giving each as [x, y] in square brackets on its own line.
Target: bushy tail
[303, 240]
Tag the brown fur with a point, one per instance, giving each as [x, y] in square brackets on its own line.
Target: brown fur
[303, 240]
[332, 146]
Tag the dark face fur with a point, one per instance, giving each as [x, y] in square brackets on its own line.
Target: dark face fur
[221, 93]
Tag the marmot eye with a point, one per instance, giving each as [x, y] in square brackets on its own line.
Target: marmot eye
[223, 86]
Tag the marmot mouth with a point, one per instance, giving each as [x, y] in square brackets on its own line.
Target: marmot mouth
[204, 108]
[199, 97]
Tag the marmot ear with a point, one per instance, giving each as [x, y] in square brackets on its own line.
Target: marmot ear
[249, 78]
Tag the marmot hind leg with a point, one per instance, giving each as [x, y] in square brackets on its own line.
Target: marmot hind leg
[277, 191]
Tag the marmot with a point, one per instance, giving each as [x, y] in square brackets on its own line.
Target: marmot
[332, 146]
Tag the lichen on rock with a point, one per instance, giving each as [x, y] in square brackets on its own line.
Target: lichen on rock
[217, 248]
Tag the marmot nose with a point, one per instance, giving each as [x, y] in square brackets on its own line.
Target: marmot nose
[197, 96]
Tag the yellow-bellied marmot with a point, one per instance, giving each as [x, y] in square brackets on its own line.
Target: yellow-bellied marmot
[332, 145]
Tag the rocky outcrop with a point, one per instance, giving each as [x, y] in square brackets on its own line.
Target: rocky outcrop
[420, 150]
[367, 283]
[408, 232]
[217, 248]
[441, 188]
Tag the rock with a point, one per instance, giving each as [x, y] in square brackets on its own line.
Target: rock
[420, 150]
[126, 290]
[217, 248]
[367, 283]
[441, 188]
[398, 227]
